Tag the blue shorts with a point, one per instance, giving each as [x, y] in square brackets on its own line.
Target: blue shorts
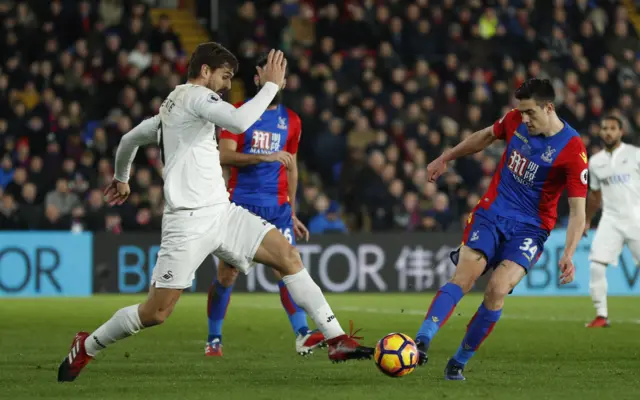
[500, 239]
[279, 216]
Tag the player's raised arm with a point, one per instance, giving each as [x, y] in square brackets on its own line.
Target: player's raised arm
[480, 140]
[144, 133]
[474, 143]
[237, 120]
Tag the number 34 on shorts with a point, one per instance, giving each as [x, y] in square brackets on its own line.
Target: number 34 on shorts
[529, 250]
[526, 253]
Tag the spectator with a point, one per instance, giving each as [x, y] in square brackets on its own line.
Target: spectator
[30, 212]
[9, 213]
[14, 188]
[327, 220]
[54, 221]
[6, 171]
[62, 200]
[381, 89]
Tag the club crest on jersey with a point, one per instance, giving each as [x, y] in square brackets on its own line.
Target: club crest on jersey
[523, 170]
[547, 156]
[282, 123]
[264, 142]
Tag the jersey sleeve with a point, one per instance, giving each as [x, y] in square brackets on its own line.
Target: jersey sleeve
[576, 168]
[505, 127]
[225, 134]
[594, 182]
[206, 104]
[295, 133]
[145, 133]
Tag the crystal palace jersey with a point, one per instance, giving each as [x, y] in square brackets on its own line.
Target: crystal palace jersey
[534, 171]
[264, 184]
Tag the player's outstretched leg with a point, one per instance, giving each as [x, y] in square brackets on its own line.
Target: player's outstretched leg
[306, 339]
[598, 289]
[503, 280]
[124, 323]
[471, 264]
[217, 305]
[276, 251]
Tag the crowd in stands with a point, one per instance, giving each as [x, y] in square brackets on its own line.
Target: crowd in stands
[382, 88]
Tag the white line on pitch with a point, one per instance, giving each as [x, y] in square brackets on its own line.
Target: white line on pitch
[387, 311]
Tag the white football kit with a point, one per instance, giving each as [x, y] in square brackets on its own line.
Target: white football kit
[198, 217]
[617, 176]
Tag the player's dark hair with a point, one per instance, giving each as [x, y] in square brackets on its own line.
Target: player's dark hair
[262, 61]
[613, 118]
[539, 90]
[212, 54]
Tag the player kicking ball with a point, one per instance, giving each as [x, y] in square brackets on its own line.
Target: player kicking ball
[264, 180]
[507, 230]
[198, 218]
[614, 179]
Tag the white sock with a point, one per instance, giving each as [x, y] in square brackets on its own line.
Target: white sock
[124, 323]
[598, 288]
[308, 295]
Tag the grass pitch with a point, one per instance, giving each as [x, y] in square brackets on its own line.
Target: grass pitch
[539, 350]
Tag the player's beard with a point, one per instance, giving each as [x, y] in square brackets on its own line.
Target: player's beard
[612, 145]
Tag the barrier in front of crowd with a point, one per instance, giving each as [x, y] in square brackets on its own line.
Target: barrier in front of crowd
[39, 264]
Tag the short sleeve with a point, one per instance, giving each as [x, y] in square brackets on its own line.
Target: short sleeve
[594, 182]
[225, 134]
[295, 132]
[505, 127]
[576, 168]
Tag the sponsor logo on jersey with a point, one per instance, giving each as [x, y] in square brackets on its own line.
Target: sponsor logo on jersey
[547, 156]
[621, 179]
[264, 142]
[523, 169]
[521, 137]
[584, 176]
[583, 155]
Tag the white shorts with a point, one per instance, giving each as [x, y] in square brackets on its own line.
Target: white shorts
[227, 231]
[610, 238]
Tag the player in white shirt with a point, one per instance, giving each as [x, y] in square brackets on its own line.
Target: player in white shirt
[198, 218]
[614, 176]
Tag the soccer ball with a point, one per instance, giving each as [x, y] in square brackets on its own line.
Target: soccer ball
[396, 355]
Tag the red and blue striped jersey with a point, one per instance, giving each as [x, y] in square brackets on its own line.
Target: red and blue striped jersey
[534, 171]
[264, 184]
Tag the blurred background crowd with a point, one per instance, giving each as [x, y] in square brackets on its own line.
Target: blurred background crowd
[382, 88]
